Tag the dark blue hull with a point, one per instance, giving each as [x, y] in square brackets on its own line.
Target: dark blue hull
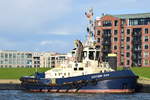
[110, 82]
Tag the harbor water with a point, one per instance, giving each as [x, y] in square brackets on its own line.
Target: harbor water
[22, 95]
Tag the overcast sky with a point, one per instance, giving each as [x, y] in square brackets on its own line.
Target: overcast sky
[53, 25]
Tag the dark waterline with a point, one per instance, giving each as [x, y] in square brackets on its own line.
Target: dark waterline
[21, 95]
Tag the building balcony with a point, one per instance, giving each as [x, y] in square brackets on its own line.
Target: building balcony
[137, 49]
[106, 42]
[137, 43]
[137, 57]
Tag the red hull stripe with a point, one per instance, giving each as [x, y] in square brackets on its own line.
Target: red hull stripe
[107, 91]
[87, 91]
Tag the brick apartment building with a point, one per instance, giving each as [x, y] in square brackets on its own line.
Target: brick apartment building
[127, 35]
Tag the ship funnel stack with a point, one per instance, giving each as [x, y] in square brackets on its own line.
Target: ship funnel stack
[112, 60]
[79, 50]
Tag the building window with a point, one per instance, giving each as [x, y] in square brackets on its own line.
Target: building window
[128, 47]
[22, 55]
[146, 38]
[14, 55]
[139, 21]
[128, 54]
[10, 55]
[115, 39]
[1, 62]
[128, 39]
[6, 55]
[146, 46]
[2, 55]
[146, 62]
[115, 32]
[115, 47]
[122, 30]
[146, 54]
[128, 62]
[116, 23]
[146, 30]
[128, 31]
[98, 32]
[107, 23]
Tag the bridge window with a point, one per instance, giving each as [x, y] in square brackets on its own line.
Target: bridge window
[91, 55]
[97, 55]
[85, 54]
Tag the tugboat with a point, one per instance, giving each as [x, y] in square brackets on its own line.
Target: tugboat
[84, 72]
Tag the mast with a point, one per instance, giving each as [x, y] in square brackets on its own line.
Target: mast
[90, 28]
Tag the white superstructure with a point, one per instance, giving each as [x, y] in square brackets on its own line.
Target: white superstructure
[84, 59]
[89, 65]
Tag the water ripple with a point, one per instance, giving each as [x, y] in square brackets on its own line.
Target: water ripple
[22, 95]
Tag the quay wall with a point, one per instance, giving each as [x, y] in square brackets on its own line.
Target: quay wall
[10, 84]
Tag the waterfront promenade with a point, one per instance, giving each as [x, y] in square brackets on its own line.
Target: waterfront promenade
[9, 81]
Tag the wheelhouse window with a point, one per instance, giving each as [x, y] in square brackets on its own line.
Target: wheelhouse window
[91, 55]
[97, 55]
[84, 54]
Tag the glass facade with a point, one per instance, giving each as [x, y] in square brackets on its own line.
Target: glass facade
[28, 59]
[15, 59]
[139, 21]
